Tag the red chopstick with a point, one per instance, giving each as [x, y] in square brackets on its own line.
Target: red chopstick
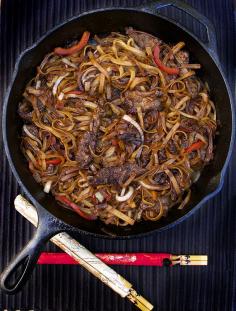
[131, 259]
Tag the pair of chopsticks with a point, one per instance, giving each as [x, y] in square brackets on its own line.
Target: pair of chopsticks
[96, 264]
[86, 259]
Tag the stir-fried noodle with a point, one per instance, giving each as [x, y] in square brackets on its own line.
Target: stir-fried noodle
[118, 127]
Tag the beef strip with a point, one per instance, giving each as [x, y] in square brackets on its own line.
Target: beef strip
[144, 158]
[40, 105]
[153, 138]
[151, 118]
[193, 86]
[190, 107]
[209, 152]
[25, 110]
[142, 39]
[130, 138]
[189, 125]
[161, 178]
[172, 147]
[33, 130]
[96, 122]
[88, 140]
[162, 156]
[182, 57]
[83, 155]
[147, 103]
[116, 175]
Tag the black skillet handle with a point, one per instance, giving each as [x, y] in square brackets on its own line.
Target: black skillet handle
[20, 268]
[210, 29]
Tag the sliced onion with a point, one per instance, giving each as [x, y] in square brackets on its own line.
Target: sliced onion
[195, 176]
[152, 187]
[47, 186]
[67, 62]
[38, 84]
[87, 86]
[110, 152]
[93, 168]
[135, 124]
[125, 197]
[123, 191]
[56, 84]
[61, 96]
[99, 196]
[31, 135]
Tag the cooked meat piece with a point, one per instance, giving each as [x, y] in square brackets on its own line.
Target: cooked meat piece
[209, 151]
[175, 172]
[145, 158]
[149, 103]
[134, 100]
[143, 206]
[182, 57]
[116, 175]
[190, 107]
[83, 155]
[189, 125]
[50, 170]
[161, 178]
[33, 130]
[153, 138]
[162, 156]
[151, 118]
[25, 110]
[131, 138]
[142, 39]
[173, 195]
[101, 206]
[202, 154]
[68, 173]
[192, 155]
[37, 177]
[40, 105]
[96, 122]
[193, 86]
[115, 93]
[172, 147]
[59, 147]
[183, 142]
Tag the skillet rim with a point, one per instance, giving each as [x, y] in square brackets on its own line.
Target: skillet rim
[40, 208]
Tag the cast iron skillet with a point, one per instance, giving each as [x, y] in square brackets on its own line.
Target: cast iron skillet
[54, 219]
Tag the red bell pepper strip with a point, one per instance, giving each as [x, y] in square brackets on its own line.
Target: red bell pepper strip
[63, 199]
[114, 142]
[59, 105]
[156, 55]
[195, 146]
[75, 48]
[53, 161]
